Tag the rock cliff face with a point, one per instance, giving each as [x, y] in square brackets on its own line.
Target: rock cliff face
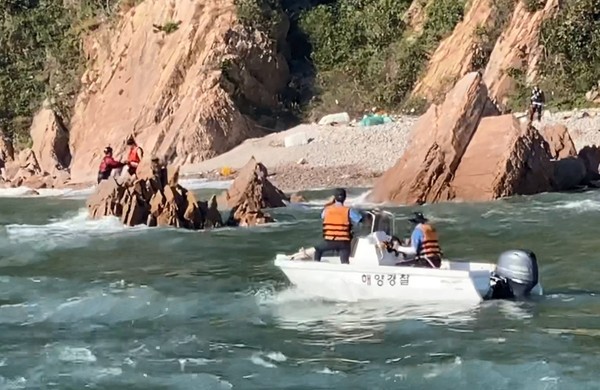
[453, 57]
[518, 48]
[514, 45]
[181, 93]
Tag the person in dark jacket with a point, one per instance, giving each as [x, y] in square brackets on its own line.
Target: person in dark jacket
[108, 164]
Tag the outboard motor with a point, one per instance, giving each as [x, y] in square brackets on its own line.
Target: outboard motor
[515, 276]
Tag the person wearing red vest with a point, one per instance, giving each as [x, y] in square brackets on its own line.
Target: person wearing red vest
[337, 227]
[134, 157]
[107, 164]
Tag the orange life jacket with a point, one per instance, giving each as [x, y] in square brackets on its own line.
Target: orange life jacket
[336, 223]
[430, 247]
[133, 155]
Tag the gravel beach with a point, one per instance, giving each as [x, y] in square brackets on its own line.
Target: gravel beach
[354, 156]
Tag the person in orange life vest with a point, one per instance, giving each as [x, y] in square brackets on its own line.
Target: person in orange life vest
[134, 157]
[337, 227]
[108, 164]
[424, 241]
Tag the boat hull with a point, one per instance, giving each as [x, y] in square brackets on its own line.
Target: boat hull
[328, 279]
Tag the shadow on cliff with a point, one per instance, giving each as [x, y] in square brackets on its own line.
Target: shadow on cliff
[294, 44]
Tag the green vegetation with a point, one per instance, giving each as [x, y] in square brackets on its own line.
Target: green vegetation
[40, 57]
[365, 54]
[486, 36]
[571, 66]
[534, 5]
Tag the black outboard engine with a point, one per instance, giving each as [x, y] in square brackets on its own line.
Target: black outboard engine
[515, 276]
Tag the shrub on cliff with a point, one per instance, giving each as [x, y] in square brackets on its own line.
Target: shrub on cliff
[572, 51]
[40, 57]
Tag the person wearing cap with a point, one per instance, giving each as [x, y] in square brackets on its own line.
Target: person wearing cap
[108, 164]
[424, 241]
[337, 227]
[134, 157]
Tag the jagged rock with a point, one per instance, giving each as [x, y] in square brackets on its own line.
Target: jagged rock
[246, 214]
[503, 159]
[438, 141]
[590, 155]
[213, 217]
[27, 166]
[50, 141]
[144, 201]
[559, 141]
[252, 183]
[38, 182]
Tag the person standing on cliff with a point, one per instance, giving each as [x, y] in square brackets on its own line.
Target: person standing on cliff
[537, 102]
[134, 157]
[337, 227]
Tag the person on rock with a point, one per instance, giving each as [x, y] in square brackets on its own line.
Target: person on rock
[337, 227]
[108, 164]
[537, 103]
[423, 244]
[134, 157]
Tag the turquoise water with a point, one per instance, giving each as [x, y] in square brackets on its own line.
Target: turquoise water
[90, 304]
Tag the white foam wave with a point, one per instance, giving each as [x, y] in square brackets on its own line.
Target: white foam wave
[74, 230]
[20, 192]
[580, 205]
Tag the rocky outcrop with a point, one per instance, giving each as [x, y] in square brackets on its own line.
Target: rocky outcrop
[252, 184]
[517, 48]
[50, 142]
[250, 192]
[559, 141]
[503, 158]
[438, 141]
[151, 201]
[453, 57]
[156, 198]
[459, 152]
[183, 94]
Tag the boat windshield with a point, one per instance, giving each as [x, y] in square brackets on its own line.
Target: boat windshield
[375, 220]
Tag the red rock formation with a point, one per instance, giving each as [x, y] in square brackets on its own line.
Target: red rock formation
[50, 142]
[174, 91]
[503, 159]
[252, 183]
[559, 141]
[438, 141]
[452, 58]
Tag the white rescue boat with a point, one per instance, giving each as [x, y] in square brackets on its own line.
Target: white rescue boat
[376, 273]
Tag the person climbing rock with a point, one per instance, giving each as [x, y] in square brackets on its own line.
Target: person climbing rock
[537, 103]
[134, 157]
[108, 164]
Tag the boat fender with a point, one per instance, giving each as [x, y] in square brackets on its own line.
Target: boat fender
[516, 274]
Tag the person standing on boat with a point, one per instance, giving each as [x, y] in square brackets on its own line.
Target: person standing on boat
[424, 241]
[337, 227]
